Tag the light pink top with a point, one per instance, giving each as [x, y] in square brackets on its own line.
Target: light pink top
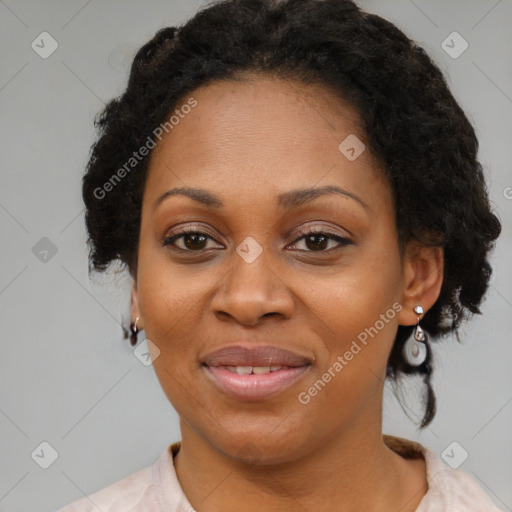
[156, 488]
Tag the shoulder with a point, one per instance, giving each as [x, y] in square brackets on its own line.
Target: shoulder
[453, 489]
[125, 494]
[448, 489]
[139, 491]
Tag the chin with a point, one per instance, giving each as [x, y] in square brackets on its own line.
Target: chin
[261, 448]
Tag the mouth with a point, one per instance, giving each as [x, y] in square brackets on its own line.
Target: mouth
[254, 373]
[253, 370]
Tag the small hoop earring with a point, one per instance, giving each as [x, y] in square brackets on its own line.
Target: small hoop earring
[134, 330]
[415, 349]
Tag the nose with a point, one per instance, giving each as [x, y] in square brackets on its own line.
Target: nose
[252, 291]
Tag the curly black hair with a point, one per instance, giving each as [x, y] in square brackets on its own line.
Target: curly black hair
[417, 131]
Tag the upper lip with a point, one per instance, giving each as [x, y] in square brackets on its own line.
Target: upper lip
[238, 355]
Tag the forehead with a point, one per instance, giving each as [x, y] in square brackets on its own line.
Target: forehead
[261, 132]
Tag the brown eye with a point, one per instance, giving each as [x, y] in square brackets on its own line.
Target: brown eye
[318, 241]
[192, 240]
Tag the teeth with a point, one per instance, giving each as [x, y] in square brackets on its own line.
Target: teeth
[257, 370]
[260, 369]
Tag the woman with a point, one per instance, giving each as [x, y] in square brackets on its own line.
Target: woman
[297, 197]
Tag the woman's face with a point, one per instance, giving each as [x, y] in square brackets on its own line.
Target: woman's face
[255, 277]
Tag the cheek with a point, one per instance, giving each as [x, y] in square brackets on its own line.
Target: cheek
[348, 302]
[357, 330]
[170, 293]
[172, 317]
[173, 301]
[355, 316]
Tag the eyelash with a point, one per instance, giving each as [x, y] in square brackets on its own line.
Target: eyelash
[169, 241]
[302, 233]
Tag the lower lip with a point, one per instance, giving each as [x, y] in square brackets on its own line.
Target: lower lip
[254, 387]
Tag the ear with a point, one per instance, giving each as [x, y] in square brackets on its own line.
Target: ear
[423, 269]
[135, 305]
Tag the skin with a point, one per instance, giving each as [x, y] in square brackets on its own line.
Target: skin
[247, 142]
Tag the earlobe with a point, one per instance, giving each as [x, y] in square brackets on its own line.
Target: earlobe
[135, 304]
[423, 279]
[135, 324]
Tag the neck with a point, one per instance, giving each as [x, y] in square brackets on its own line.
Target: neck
[353, 472]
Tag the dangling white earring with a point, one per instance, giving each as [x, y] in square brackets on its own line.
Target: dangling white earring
[415, 349]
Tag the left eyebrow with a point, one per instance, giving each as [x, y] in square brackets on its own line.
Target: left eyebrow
[295, 198]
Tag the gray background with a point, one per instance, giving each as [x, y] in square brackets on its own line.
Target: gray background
[67, 377]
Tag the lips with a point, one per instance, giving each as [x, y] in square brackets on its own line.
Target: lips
[261, 356]
[254, 373]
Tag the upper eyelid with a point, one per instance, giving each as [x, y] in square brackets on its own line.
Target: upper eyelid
[302, 232]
